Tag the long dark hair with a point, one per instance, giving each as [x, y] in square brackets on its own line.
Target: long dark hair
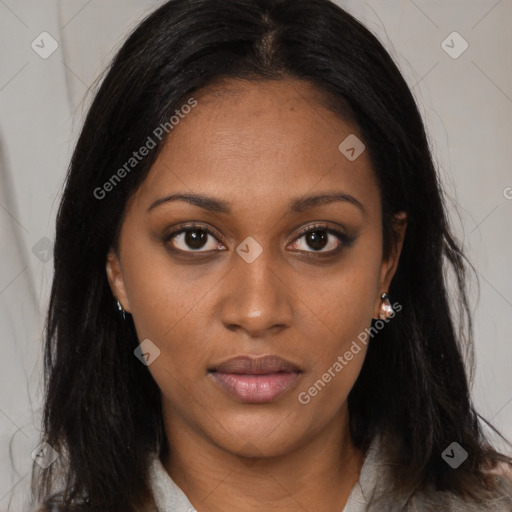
[102, 411]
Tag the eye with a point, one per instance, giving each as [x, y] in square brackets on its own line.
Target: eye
[192, 239]
[320, 237]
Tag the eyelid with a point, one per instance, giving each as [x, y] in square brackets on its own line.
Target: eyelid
[318, 226]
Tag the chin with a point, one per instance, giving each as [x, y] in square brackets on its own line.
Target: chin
[259, 437]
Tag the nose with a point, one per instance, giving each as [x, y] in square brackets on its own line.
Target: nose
[257, 298]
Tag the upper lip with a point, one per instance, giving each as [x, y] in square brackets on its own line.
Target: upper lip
[255, 365]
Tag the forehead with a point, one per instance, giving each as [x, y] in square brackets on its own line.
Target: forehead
[257, 142]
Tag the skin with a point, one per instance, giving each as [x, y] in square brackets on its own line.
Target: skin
[200, 310]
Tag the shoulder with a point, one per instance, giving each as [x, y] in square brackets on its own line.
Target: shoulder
[428, 498]
[434, 500]
[503, 470]
[503, 477]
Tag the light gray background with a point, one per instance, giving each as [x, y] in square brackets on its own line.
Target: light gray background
[466, 103]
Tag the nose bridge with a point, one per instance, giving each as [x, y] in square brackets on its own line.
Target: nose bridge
[256, 299]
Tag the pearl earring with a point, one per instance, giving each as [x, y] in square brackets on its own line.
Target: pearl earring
[386, 309]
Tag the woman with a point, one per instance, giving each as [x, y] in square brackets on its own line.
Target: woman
[253, 191]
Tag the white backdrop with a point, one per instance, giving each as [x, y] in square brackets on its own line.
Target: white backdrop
[465, 95]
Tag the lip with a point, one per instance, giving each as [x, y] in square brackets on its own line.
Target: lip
[255, 365]
[256, 379]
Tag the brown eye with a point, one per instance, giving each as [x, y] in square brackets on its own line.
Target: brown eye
[195, 239]
[317, 240]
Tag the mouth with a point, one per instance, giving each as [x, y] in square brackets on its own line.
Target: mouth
[255, 379]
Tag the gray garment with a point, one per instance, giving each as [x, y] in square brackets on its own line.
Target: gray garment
[170, 498]
[367, 495]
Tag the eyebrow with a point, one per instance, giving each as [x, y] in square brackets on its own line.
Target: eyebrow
[296, 205]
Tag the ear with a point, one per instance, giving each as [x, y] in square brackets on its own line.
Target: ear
[116, 280]
[389, 265]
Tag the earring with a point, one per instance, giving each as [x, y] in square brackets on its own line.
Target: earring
[386, 309]
[120, 309]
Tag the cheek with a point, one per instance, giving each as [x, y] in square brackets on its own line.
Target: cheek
[169, 307]
[163, 297]
[169, 311]
[338, 355]
[340, 310]
[328, 388]
[340, 303]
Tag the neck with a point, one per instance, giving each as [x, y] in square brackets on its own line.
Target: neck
[316, 475]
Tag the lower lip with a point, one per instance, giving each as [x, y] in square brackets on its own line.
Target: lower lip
[256, 388]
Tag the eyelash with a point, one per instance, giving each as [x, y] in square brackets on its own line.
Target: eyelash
[345, 240]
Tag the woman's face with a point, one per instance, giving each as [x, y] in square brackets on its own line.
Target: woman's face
[256, 285]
